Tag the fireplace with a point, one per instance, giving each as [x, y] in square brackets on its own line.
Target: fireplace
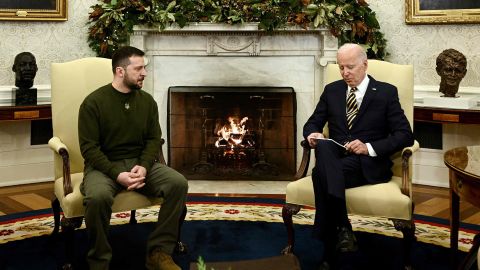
[206, 54]
[232, 133]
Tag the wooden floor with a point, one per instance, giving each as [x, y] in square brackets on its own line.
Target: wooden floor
[429, 201]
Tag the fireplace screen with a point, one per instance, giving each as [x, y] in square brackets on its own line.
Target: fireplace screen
[232, 133]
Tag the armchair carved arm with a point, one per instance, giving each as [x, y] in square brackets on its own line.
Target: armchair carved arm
[302, 169]
[406, 181]
[61, 149]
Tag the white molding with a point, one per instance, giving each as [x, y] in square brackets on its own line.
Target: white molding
[435, 182]
[422, 91]
[434, 88]
[26, 181]
[221, 27]
[25, 171]
[428, 168]
[43, 94]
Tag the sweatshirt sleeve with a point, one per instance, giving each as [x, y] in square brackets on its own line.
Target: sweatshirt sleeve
[89, 139]
[152, 139]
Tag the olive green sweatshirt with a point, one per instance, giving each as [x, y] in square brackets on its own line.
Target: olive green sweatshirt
[114, 126]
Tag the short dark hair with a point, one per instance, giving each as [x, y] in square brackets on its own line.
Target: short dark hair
[121, 55]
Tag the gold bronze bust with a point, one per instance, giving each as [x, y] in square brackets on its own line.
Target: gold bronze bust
[452, 67]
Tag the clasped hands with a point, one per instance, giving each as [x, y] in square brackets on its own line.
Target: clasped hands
[134, 179]
[354, 147]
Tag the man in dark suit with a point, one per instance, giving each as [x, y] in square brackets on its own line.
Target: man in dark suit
[365, 117]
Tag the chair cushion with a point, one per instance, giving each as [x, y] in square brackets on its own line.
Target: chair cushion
[384, 200]
[72, 204]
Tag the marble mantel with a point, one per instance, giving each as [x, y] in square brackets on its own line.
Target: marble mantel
[207, 54]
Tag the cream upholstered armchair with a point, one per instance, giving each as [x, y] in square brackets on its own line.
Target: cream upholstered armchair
[392, 200]
[71, 83]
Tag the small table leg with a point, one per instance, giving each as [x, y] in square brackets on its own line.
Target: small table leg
[454, 224]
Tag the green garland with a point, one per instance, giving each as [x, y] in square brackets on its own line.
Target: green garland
[111, 21]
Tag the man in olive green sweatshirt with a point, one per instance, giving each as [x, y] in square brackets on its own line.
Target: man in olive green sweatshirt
[120, 136]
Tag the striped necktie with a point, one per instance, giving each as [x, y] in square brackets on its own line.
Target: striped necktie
[352, 107]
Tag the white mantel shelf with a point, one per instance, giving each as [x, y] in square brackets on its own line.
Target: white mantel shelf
[212, 39]
[222, 27]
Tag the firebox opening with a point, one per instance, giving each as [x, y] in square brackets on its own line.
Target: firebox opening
[232, 133]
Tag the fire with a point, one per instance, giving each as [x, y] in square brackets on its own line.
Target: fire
[232, 134]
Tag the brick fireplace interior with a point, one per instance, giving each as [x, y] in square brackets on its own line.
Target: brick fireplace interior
[232, 133]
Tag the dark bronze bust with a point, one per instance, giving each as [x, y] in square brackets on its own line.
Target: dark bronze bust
[25, 68]
[452, 67]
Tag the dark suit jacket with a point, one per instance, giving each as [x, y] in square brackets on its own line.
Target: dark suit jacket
[380, 122]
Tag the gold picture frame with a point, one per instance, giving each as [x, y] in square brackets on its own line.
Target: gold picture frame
[33, 10]
[442, 12]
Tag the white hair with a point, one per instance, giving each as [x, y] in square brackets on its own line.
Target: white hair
[362, 54]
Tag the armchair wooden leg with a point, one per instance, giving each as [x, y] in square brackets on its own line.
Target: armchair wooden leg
[288, 211]
[407, 227]
[133, 219]
[68, 230]
[56, 216]
[181, 248]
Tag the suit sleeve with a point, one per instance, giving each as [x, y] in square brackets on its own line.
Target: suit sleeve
[400, 132]
[318, 119]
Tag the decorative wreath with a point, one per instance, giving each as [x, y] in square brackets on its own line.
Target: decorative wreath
[111, 21]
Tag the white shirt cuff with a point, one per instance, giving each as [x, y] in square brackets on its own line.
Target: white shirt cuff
[371, 152]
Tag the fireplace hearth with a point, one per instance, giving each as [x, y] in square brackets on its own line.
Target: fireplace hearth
[232, 133]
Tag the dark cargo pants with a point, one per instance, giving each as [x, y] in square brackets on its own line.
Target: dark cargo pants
[99, 191]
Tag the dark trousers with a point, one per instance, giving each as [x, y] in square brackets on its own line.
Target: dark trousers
[334, 171]
[99, 191]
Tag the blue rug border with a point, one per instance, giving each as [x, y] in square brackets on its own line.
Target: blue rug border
[193, 198]
[40, 212]
[445, 222]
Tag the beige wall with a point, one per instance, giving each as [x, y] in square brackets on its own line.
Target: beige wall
[48, 41]
[420, 44]
[415, 44]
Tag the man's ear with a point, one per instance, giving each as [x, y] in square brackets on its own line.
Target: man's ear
[119, 71]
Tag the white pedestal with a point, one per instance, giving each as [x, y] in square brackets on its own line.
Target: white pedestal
[460, 102]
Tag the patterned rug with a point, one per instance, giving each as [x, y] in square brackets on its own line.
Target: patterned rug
[238, 209]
